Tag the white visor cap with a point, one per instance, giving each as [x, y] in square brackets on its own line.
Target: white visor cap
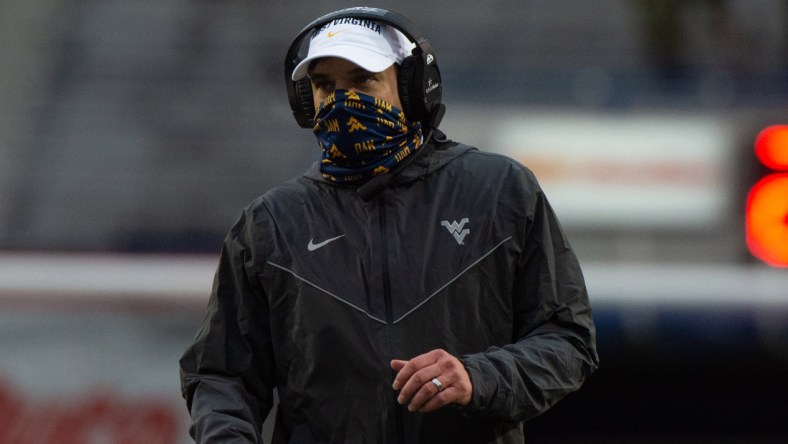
[369, 44]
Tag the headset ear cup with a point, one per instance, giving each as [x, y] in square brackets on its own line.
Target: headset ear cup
[409, 79]
[304, 107]
[420, 90]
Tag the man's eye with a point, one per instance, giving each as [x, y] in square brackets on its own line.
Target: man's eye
[323, 86]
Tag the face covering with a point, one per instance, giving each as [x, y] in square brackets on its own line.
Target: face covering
[362, 136]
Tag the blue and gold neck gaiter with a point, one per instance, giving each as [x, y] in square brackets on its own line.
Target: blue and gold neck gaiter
[362, 136]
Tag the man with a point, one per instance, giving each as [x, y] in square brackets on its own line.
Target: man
[406, 289]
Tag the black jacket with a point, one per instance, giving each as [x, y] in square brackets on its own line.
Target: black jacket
[317, 290]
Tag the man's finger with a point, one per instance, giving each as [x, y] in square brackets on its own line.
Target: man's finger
[416, 381]
[423, 395]
[406, 371]
[443, 398]
[397, 364]
[408, 368]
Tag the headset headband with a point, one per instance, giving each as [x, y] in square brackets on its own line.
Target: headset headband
[398, 21]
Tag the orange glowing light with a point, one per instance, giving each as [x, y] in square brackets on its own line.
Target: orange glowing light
[771, 147]
[767, 220]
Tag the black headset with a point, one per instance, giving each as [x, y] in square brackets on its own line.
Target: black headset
[418, 77]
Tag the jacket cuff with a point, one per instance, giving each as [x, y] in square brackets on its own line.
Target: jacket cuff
[486, 393]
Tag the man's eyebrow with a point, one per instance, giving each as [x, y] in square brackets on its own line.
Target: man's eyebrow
[317, 76]
[353, 72]
[360, 70]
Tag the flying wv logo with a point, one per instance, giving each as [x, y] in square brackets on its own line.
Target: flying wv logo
[457, 230]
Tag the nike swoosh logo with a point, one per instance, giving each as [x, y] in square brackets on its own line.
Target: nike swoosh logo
[332, 33]
[314, 246]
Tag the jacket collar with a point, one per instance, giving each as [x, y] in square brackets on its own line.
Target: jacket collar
[428, 161]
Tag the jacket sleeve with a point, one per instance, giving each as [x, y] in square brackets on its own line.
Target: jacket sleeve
[554, 344]
[227, 374]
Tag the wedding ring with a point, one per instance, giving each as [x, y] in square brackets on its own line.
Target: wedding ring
[437, 384]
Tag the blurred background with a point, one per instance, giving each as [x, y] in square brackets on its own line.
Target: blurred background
[133, 133]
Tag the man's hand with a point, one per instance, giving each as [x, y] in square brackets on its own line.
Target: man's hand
[431, 381]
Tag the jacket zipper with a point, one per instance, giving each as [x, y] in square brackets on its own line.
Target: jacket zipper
[389, 311]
